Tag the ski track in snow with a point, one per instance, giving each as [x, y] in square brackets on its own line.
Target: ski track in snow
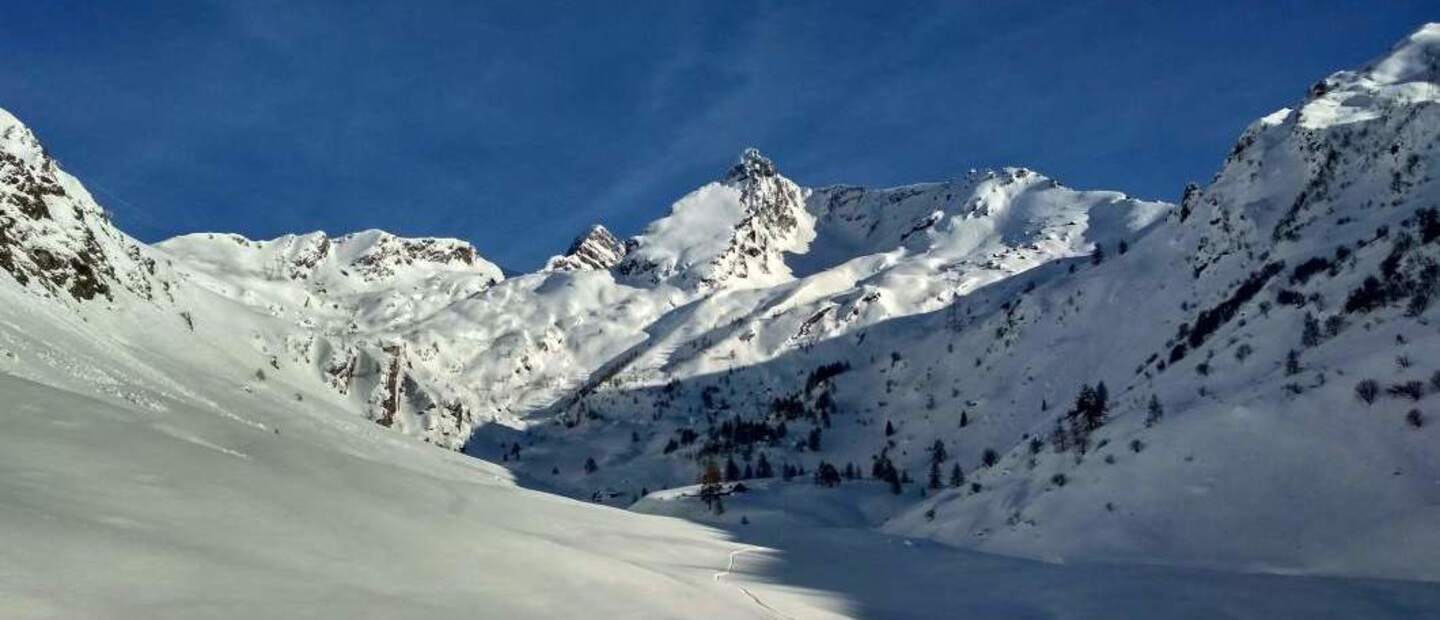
[730, 568]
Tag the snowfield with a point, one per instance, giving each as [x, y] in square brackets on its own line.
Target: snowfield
[112, 512]
[992, 395]
[122, 512]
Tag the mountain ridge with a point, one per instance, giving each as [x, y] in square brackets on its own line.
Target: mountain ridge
[860, 328]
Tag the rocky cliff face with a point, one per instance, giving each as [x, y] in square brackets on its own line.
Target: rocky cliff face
[54, 238]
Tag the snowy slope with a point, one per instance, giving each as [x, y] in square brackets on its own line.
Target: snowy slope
[1264, 459]
[1318, 241]
[256, 505]
[761, 321]
[159, 462]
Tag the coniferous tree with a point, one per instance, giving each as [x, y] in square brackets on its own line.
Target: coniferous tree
[889, 428]
[1310, 334]
[1367, 390]
[762, 467]
[1292, 363]
[826, 475]
[957, 476]
[1060, 438]
[710, 487]
[1086, 416]
[990, 457]
[937, 452]
[1154, 411]
[732, 470]
[590, 465]
[935, 481]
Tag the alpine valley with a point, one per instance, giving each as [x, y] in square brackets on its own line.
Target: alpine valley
[993, 394]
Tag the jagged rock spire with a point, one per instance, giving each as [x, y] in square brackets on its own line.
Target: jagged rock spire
[752, 165]
[596, 249]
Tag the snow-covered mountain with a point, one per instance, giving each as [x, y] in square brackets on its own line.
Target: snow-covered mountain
[1240, 381]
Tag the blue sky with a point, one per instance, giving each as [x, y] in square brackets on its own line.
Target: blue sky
[515, 125]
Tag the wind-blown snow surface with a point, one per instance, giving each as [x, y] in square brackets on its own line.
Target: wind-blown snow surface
[112, 512]
[759, 320]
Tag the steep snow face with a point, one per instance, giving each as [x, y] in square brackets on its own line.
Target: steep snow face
[596, 249]
[733, 233]
[54, 239]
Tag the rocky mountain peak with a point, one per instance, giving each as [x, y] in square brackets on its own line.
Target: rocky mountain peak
[16, 140]
[734, 232]
[752, 165]
[53, 236]
[596, 249]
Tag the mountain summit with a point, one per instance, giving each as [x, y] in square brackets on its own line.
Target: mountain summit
[596, 249]
[730, 233]
[995, 361]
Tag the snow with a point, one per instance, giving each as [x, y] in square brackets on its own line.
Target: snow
[729, 234]
[1416, 59]
[687, 238]
[107, 513]
[803, 536]
[369, 425]
[1408, 75]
